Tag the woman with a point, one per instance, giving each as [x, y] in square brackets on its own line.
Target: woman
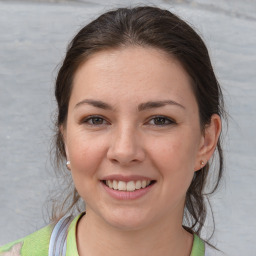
[139, 119]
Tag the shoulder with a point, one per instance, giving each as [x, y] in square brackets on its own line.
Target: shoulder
[35, 244]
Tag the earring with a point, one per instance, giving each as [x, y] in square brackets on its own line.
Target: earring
[201, 162]
[68, 165]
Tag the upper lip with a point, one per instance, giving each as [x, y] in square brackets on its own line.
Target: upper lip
[125, 178]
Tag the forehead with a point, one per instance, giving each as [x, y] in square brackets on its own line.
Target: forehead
[133, 72]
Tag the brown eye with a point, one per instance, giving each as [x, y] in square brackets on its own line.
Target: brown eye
[95, 120]
[161, 121]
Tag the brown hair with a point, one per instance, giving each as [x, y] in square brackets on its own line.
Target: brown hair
[148, 27]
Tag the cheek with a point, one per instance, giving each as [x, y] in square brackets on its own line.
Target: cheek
[177, 152]
[174, 160]
[85, 155]
[85, 158]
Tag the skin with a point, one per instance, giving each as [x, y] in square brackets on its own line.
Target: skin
[128, 139]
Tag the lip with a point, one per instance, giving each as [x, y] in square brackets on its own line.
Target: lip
[126, 178]
[127, 195]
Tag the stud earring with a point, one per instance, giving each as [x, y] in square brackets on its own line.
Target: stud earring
[201, 162]
[68, 165]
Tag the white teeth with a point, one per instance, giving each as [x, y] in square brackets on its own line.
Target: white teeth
[115, 185]
[127, 186]
[138, 184]
[121, 185]
[130, 186]
[109, 183]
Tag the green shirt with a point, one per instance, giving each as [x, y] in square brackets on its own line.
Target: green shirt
[37, 244]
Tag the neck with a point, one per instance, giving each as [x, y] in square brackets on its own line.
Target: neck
[97, 238]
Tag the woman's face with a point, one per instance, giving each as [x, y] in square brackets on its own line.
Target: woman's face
[133, 122]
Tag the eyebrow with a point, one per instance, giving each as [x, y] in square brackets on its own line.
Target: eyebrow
[141, 107]
[158, 104]
[95, 103]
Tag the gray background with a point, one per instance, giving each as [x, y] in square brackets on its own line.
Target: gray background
[33, 38]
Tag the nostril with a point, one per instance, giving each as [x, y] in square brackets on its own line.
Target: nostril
[126, 147]
[126, 157]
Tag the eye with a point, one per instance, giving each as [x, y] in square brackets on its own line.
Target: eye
[95, 120]
[161, 121]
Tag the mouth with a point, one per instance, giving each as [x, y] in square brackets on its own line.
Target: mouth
[129, 186]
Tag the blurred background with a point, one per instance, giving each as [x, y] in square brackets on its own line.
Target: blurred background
[33, 39]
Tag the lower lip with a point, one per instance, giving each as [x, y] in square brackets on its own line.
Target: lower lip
[127, 195]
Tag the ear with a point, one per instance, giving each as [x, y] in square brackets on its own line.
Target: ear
[63, 133]
[208, 142]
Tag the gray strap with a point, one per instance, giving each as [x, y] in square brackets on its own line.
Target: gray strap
[58, 240]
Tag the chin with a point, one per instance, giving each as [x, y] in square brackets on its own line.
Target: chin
[127, 220]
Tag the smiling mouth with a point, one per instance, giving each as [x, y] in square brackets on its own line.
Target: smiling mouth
[129, 186]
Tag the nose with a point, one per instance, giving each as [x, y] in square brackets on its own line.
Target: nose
[126, 147]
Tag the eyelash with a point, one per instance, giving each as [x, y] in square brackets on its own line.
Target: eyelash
[89, 120]
[163, 118]
[167, 121]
